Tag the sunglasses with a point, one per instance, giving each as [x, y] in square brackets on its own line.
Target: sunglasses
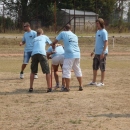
[25, 26]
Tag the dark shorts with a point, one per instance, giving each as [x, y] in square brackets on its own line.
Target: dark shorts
[43, 62]
[97, 63]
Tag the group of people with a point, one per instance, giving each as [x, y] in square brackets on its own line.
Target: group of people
[66, 56]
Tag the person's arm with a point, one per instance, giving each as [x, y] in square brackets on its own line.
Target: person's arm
[105, 46]
[21, 43]
[23, 40]
[53, 44]
[92, 52]
[48, 55]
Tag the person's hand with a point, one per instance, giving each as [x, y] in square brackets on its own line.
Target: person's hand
[91, 54]
[20, 43]
[53, 52]
[102, 56]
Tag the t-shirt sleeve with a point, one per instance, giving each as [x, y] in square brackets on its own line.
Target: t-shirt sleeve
[59, 37]
[48, 40]
[105, 36]
[35, 34]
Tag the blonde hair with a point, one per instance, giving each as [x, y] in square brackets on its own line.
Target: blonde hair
[39, 31]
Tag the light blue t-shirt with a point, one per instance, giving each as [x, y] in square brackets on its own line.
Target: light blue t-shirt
[70, 41]
[58, 51]
[39, 44]
[101, 37]
[28, 38]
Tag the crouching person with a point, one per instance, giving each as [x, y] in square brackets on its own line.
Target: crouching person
[39, 56]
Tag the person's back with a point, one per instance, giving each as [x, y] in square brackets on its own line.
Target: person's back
[39, 44]
[59, 50]
[70, 41]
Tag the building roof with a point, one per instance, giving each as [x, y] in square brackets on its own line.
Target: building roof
[78, 12]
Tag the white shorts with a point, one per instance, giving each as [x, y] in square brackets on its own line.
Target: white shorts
[71, 64]
[56, 60]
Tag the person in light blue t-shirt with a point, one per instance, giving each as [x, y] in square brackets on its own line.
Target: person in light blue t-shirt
[100, 51]
[57, 58]
[39, 56]
[71, 56]
[27, 39]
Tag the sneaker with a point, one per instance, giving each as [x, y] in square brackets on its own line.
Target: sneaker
[66, 90]
[92, 83]
[62, 88]
[100, 84]
[56, 87]
[80, 88]
[49, 90]
[21, 75]
[30, 90]
[35, 76]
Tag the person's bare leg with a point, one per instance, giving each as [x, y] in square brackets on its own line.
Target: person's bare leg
[55, 68]
[63, 82]
[94, 76]
[31, 80]
[63, 79]
[80, 81]
[102, 76]
[48, 79]
[67, 82]
[23, 67]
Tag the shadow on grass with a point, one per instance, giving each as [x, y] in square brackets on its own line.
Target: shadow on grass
[36, 91]
[111, 115]
[23, 91]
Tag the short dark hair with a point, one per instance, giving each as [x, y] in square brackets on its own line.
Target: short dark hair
[27, 24]
[101, 22]
[67, 27]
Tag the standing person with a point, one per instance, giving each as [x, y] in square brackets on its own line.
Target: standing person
[100, 51]
[28, 36]
[71, 56]
[39, 55]
[57, 60]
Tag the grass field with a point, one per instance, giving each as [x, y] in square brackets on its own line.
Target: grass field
[94, 108]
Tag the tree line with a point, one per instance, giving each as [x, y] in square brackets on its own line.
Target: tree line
[28, 10]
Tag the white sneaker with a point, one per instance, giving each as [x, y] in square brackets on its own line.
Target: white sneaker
[21, 76]
[35, 76]
[92, 83]
[100, 84]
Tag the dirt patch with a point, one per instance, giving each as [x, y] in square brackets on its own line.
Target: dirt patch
[95, 108]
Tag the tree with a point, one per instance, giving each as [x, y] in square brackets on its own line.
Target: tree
[28, 10]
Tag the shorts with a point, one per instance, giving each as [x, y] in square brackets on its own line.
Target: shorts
[56, 60]
[43, 62]
[70, 64]
[26, 57]
[97, 63]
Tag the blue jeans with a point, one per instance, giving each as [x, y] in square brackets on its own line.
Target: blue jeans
[26, 57]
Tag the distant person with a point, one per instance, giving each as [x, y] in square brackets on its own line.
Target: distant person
[71, 56]
[57, 60]
[100, 51]
[28, 36]
[39, 55]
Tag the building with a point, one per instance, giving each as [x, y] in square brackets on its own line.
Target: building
[83, 19]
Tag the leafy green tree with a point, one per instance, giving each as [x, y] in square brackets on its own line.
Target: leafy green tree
[28, 10]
